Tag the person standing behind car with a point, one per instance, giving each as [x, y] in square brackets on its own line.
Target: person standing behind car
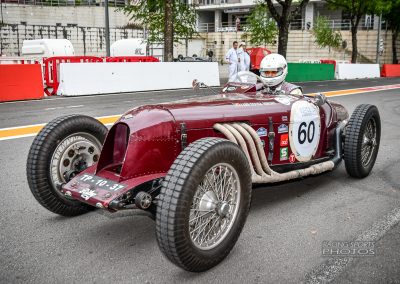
[241, 52]
[233, 60]
[246, 56]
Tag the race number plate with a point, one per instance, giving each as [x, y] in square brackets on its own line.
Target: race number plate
[101, 183]
[304, 130]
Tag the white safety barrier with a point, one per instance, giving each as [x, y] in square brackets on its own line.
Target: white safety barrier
[78, 79]
[357, 71]
[19, 60]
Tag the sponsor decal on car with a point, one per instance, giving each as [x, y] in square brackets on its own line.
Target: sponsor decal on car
[284, 140]
[253, 104]
[292, 158]
[284, 154]
[284, 118]
[262, 132]
[229, 89]
[244, 87]
[283, 128]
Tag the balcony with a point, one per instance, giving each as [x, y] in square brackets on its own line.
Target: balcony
[336, 24]
[215, 2]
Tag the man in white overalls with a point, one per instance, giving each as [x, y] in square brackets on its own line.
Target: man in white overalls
[233, 60]
[246, 62]
[240, 53]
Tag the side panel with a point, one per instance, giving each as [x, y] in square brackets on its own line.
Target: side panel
[153, 143]
[151, 147]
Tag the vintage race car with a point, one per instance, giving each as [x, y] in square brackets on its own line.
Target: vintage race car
[191, 164]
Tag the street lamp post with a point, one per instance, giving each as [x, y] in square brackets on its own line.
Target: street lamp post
[107, 28]
[1, 8]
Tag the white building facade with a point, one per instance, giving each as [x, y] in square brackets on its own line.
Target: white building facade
[222, 15]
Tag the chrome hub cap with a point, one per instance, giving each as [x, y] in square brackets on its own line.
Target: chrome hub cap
[215, 206]
[369, 143]
[208, 201]
[72, 155]
[223, 209]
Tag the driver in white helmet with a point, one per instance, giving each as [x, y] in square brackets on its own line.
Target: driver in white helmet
[273, 71]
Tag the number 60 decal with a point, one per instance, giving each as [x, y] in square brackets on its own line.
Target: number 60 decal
[306, 133]
[304, 130]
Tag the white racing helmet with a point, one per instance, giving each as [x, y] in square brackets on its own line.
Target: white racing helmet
[273, 69]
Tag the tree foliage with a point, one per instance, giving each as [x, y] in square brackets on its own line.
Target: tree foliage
[392, 15]
[151, 14]
[284, 14]
[260, 27]
[357, 9]
[324, 35]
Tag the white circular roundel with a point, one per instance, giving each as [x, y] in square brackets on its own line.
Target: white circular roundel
[304, 130]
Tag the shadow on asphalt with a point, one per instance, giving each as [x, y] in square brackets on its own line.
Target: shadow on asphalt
[282, 192]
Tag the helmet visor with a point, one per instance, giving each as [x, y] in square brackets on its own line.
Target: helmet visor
[271, 72]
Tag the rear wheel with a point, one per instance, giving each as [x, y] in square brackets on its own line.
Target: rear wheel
[361, 143]
[203, 204]
[63, 148]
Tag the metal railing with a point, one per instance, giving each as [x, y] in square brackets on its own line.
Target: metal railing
[336, 24]
[86, 40]
[224, 27]
[111, 3]
[215, 2]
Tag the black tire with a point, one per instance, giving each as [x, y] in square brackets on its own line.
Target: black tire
[43, 184]
[360, 152]
[177, 194]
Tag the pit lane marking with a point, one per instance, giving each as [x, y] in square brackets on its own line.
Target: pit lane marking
[359, 90]
[57, 108]
[32, 130]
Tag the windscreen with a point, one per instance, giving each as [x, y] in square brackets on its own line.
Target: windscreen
[247, 77]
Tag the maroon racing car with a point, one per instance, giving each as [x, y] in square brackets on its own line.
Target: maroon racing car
[191, 164]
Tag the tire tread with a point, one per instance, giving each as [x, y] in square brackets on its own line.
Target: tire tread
[37, 163]
[353, 139]
[169, 235]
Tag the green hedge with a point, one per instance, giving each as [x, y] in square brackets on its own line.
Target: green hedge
[301, 72]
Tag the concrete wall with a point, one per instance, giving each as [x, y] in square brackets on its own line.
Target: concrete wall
[302, 46]
[91, 41]
[85, 40]
[92, 16]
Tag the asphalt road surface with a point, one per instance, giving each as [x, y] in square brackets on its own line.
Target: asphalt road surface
[281, 241]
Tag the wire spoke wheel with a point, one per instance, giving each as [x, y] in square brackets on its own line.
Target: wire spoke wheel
[369, 142]
[215, 206]
[362, 138]
[203, 204]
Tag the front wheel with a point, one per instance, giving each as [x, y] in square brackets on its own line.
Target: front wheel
[362, 138]
[63, 148]
[203, 204]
